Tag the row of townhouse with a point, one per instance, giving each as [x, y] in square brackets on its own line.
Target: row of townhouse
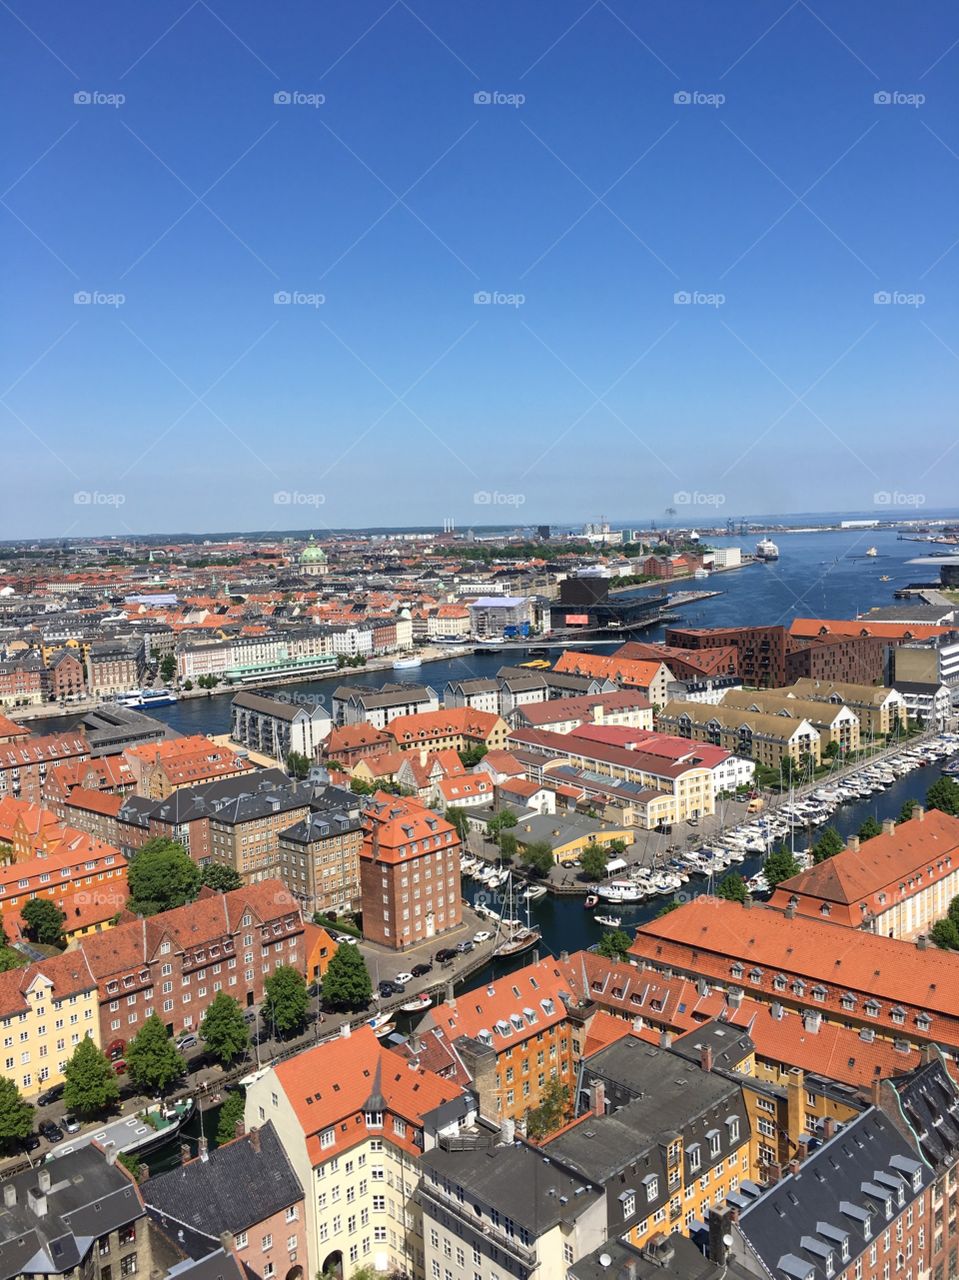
[766, 738]
[26, 761]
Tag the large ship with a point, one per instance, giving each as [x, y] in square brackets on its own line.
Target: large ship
[766, 549]
[144, 699]
[408, 664]
[134, 1135]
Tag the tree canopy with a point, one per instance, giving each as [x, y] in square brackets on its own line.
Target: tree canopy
[153, 1060]
[538, 857]
[869, 830]
[347, 983]
[161, 876]
[16, 1115]
[944, 795]
[44, 921]
[779, 866]
[551, 1112]
[830, 843]
[614, 944]
[217, 875]
[91, 1083]
[231, 1113]
[285, 1001]
[733, 888]
[593, 860]
[223, 1029]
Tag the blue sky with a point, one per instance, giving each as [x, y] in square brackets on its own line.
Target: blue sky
[620, 158]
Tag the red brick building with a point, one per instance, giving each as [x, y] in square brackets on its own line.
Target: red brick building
[24, 763]
[63, 676]
[174, 964]
[409, 873]
[768, 657]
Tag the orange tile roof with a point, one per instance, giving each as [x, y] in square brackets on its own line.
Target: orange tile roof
[626, 671]
[67, 971]
[445, 723]
[328, 1087]
[392, 824]
[500, 1007]
[103, 802]
[813, 628]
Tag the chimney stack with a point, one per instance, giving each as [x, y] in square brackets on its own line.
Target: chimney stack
[255, 1140]
[204, 1151]
[793, 1166]
[922, 942]
[828, 1128]
[227, 1241]
[665, 1039]
[37, 1201]
[185, 1156]
[875, 1092]
[143, 1173]
[919, 813]
[790, 912]
[9, 1194]
[43, 1179]
[774, 1171]
[239, 1129]
[852, 843]
[706, 1057]
[597, 1098]
[720, 1233]
[888, 826]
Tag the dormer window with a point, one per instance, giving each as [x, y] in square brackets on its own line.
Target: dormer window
[779, 982]
[847, 1000]
[737, 970]
[923, 1021]
[374, 1119]
[755, 975]
[898, 1015]
[819, 993]
[628, 1201]
[695, 1156]
[732, 1128]
[714, 1140]
[651, 1183]
[872, 1008]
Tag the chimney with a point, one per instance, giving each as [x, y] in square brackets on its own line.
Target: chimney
[111, 1153]
[790, 912]
[828, 1128]
[665, 1039]
[185, 1153]
[793, 1166]
[922, 942]
[852, 843]
[204, 1150]
[43, 1179]
[919, 813]
[720, 1233]
[227, 1241]
[597, 1098]
[706, 1057]
[507, 1131]
[143, 1173]
[888, 826]
[9, 1194]
[875, 1092]
[37, 1201]
[255, 1140]
[239, 1129]
[734, 997]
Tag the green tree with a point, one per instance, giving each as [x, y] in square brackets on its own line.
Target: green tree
[297, 764]
[458, 819]
[91, 1083]
[614, 944]
[944, 795]
[780, 866]
[673, 905]
[11, 959]
[945, 934]
[44, 921]
[285, 1001]
[828, 845]
[953, 912]
[347, 983]
[499, 822]
[830, 751]
[471, 756]
[218, 876]
[907, 810]
[223, 1029]
[161, 876]
[231, 1113]
[153, 1060]
[188, 685]
[551, 1112]
[538, 857]
[593, 861]
[130, 1162]
[167, 668]
[508, 846]
[732, 888]
[869, 830]
[16, 1115]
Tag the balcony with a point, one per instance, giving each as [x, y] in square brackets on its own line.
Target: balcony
[430, 1194]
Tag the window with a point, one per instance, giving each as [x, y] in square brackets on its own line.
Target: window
[128, 1265]
[242, 1240]
[628, 1201]
[266, 1242]
[695, 1156]
[292, 1213]
[327, 1138]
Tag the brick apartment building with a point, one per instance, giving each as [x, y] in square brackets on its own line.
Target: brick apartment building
[319, 857]
[63, 676]
[114, 666]
[175, 964]
[766, 657]
[21, 683]
[409, 873]
[25, 762]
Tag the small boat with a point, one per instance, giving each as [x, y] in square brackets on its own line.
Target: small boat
[382, 1032]
[380, 1020]
[590, 901]
[518, 942]
[535, 891]
[884, 577]
[418, 1003]
[611, 922]
[407, 664]
[871, 552]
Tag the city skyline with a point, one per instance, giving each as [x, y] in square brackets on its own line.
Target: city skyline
[383, 260]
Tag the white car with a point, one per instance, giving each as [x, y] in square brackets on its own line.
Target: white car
[482, 936]
[402, 979]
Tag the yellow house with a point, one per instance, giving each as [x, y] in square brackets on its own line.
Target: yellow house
[46, 1009]
[567, 835]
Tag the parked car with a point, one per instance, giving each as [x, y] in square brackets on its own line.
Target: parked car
[120, 1066]
[30, 1142]
[71, 1124]
[188, 1041]
[463, 947]
[444, 954]
[52, 1132]
[53, 1094]
[386, 989]
[483, 936]
[402, 979]
[421, 970]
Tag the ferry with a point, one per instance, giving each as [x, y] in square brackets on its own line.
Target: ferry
[408, 664]
[144, 699]
[138, 1134]
[766, 549]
